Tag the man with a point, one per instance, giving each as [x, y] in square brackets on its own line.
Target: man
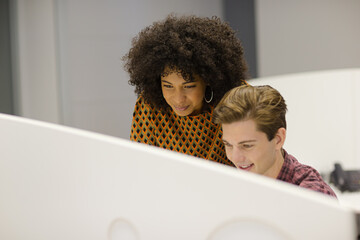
[254, 132]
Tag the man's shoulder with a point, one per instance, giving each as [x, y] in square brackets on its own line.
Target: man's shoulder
[295, 172]
[301, 171]
[306, 176]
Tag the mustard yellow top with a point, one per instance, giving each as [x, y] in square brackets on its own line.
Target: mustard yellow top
[194, 135]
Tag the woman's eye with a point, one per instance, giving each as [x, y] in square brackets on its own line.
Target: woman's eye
[167, 86]
[190, 86]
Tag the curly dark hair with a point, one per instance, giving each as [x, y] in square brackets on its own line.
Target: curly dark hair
[207, 47]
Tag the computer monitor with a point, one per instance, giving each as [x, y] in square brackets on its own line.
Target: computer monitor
[58, 182]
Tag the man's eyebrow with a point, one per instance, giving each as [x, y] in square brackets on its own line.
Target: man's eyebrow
[224, 140]
[242, 142]
[246, 141]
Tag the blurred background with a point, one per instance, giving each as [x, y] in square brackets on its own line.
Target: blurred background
[60, 60]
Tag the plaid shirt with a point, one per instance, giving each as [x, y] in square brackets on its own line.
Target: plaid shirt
[302, 175]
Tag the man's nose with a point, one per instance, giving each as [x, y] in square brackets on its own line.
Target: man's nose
[238, 156]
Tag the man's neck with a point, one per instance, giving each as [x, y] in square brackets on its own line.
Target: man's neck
[279, 162]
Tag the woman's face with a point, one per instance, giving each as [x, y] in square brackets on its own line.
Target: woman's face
[185, 98]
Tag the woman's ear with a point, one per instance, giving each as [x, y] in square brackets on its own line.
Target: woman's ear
[280, 137]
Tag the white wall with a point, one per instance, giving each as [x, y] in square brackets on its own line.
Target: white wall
[299, 36]
[323, 116]
[33, 42]
[68, 57]
[93, 36]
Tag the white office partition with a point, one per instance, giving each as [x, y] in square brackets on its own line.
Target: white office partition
[62, 183]
[323, 116]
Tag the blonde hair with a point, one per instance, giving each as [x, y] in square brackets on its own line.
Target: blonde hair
[263, 104]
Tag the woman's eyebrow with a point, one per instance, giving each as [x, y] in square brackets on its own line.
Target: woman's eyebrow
[162, 80]
[165, 81]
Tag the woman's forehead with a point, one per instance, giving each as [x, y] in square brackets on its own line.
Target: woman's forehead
[187, 76]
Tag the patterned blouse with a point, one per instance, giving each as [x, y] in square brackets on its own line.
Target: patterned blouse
[302, 175]
[194, 135]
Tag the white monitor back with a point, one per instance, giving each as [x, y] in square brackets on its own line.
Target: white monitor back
[323, 116]
[62, 183]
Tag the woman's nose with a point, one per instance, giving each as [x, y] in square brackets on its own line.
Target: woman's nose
[179, 96]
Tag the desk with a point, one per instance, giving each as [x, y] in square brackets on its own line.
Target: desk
[348, 199]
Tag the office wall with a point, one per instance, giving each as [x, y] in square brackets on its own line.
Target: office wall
[323, 119]
[93, 36]
[6, 91]
[306, 35]
[67, 57]
[241, 17]
[34, 55]
[68, 66]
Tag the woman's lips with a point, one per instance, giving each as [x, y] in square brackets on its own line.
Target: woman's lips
[181, 108]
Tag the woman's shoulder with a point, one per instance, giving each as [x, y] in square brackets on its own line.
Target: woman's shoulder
[142, 103]
[143, 107]
[204, 118]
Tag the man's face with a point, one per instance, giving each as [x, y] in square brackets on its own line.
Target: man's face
[250, 150]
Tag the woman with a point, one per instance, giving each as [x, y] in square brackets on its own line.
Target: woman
[181, 67]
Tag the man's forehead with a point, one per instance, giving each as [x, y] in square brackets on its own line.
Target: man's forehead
[241, 131]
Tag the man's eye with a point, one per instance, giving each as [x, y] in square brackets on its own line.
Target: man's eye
[247, 145]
